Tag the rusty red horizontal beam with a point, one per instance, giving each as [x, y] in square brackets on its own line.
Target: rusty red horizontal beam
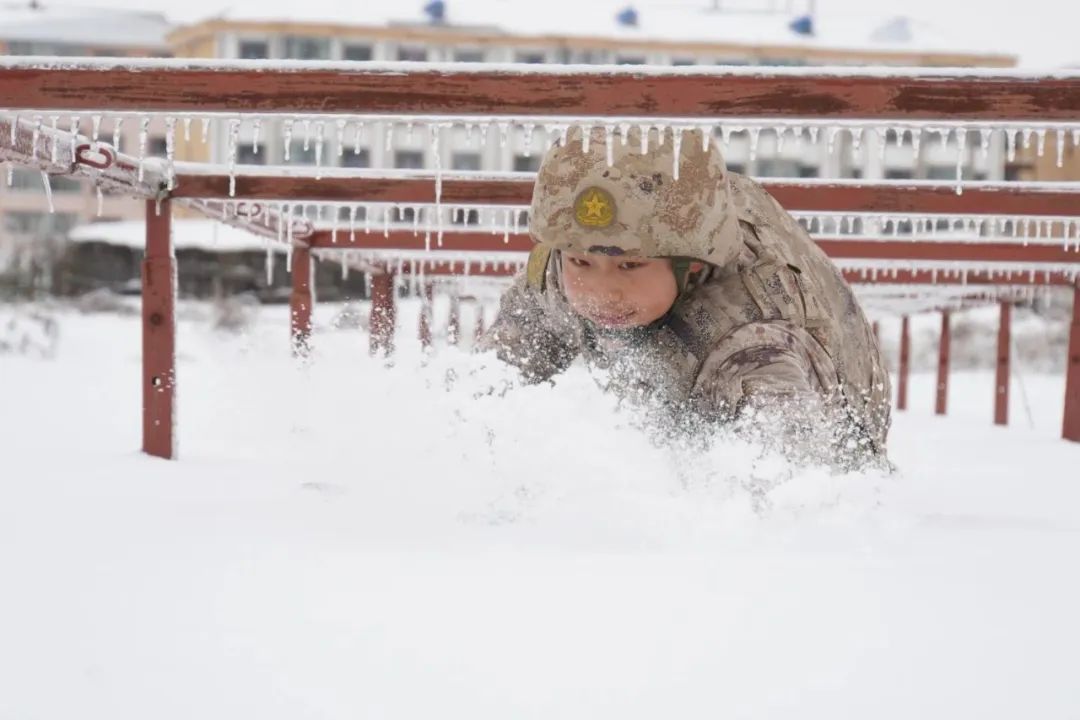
[891, 198]
[855, 248]
[180, 86]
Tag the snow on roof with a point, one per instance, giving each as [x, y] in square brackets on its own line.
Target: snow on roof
[205, 235]
[95, 27]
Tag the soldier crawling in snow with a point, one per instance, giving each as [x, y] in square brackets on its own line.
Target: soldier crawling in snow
[695, 291]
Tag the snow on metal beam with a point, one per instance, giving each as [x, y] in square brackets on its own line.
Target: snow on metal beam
[419, 89]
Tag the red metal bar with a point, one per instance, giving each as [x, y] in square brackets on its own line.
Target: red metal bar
[159, 333]
[383, 313]
[1071, 425]
[799, 196]
[426, 316]
[1001, 382]
[941, 403]
[175, 86]
[301, 301]
[905, 353]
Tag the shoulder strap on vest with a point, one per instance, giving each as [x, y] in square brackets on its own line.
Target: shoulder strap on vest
[536, 269]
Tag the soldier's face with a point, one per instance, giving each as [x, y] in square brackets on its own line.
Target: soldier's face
[621, 291]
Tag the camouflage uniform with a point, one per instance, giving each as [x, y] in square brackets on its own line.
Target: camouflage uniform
[770, 322]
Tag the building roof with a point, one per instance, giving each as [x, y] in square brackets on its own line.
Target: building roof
[95, 27]
[205, 235]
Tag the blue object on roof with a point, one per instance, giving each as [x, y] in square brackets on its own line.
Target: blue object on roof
[803, 25]
[436, 11]
[627, 17]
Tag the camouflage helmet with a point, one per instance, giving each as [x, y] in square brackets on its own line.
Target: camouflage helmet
[617, 200]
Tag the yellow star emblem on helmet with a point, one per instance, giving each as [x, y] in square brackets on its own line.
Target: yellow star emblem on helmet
[594, 208]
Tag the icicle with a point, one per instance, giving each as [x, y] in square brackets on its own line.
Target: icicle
[676, 142]
[344, 260]
[415, 221]
[1040, 135]
[609, 145]
[356, 137]
[644, 138]
[831, 141]
[289, 228]
[943, 136]
[754, 132]
[118, 123]
[438, 183]
[352, 224]
[286, 133]
[780, 133]
[187, 129]
[984, 142]
[504, 134]
[48, 190]
[34, 137]
[234, 134]
[1010, 143]
[529, 127]
[367, 220]
[586, 136]
[386, 221]
[270, 261]
[1060, 141]
[961, 145]
[256, 126]
[814, 131]
[1026, 135]
[320, 143]
[468, 132]
[100, 200]
[661, 135]
[484, 132]
[95, 127]
[725, 136]
[144, 135]
[307, 135]
[883, 141]
[706, 132]
[55, 152]
[624, 133]
[916, 139]
[506, 227]
[205, 130]
[1076, 137]
[170, 152]
[73, 130]
[856, 141]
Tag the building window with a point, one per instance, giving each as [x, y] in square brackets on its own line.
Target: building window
[941, 172]
[352, 159]
[39, 224]
[777, 167]
[306, 48]
[345, 213]
[898, 174]
[465, 161]
[156, 147]
[254, 50]
[809, 171]
[409, 159]
[526, 163]
[246, 155]
[531, 58]
[738, 168]
[465, 216]
[412, 54]
[630, 60]
[359, 53]
[299, 156]
[471, 56]
[403, 214]
[678, 62]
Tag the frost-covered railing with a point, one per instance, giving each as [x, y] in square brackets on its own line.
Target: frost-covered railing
[989, 238]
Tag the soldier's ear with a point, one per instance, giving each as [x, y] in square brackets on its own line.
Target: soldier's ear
[696, 267]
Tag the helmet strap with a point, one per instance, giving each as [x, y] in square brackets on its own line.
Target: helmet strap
[681, 267]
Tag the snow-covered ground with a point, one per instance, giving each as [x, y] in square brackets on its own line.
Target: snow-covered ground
[350, 540]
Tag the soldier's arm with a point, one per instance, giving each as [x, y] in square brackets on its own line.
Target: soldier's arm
[526, 335]
[761, 378]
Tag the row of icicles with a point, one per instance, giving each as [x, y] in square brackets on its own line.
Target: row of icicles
[352, 135]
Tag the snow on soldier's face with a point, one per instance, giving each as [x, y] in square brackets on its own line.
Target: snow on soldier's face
[618, 291]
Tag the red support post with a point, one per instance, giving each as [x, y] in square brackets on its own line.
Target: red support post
[1001, 384]
[905, 353]
[426, 315]
[941, 404]
[383, 313]
[453, 327]
[301, 301]
[1071, 426]
[159, 333]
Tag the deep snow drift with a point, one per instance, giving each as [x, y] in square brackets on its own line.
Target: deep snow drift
[346, 539]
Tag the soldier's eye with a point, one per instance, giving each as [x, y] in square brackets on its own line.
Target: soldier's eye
[578, 262]
[631, 265]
